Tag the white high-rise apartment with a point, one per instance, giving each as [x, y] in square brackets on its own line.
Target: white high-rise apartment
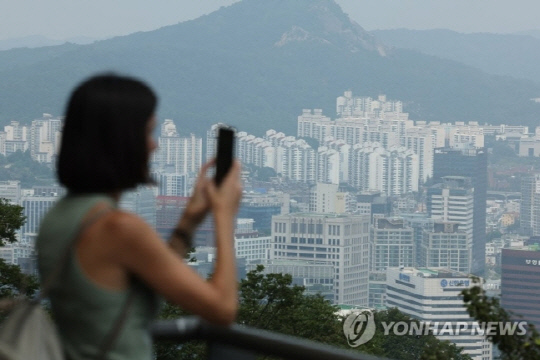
[419, 140]
[393, 171]
[44, 138]
[182, 154]
[315, 125]
[296, 160]
[328, 166]
[433, 296]
[255, 150]
[344, 151]
[470, 133]
[339, 240]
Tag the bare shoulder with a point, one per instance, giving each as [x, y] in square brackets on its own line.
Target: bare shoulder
[126, 229]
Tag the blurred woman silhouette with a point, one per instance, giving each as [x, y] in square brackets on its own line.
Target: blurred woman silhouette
[105, 149]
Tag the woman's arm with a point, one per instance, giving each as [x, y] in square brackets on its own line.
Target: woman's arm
[141, 251]
[196, 210]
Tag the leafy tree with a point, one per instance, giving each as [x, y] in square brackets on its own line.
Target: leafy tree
[487, 309]
[11, 219]
[272, 302]
[12, 281]
[171, 350]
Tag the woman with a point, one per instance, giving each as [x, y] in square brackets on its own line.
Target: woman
[106, 144]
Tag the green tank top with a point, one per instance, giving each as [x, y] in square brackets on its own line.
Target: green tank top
[84, 311]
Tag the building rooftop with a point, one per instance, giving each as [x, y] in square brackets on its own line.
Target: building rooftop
[433, 272]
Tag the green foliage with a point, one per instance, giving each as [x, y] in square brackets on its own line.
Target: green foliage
[271, 302]
[487, 309]
[14, 283]
[171, 350]
[11, 219]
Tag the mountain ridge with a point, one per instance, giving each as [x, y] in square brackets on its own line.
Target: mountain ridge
[226, 67]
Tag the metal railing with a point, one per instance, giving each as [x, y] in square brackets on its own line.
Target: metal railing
[244, 343]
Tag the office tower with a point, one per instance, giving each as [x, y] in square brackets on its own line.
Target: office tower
[450, 202]
[168, 211]
[468, 162]
[322, 198]
[339, 240]
[433, 296]
[248, 244]
[174, 184]
[445, 246]
[530, 205]
[327, 198]
[520, 282]
[419, 222]
[11, 190]
[141, 201]
[261, 208]
[35, 208]
[392, 244]
[316, 277]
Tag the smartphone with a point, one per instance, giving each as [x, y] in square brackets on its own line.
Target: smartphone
[224, 157]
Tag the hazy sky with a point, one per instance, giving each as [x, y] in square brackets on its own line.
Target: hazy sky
[61, 19]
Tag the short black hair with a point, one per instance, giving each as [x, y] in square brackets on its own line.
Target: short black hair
[104, 139]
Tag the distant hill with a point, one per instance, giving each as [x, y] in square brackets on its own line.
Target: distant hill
[256, 64]
[534, 33]
[35, 41]
[502, 54]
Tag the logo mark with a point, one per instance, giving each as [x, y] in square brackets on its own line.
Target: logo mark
[359, 327]
[444, 283]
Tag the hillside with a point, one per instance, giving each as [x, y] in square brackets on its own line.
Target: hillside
[256, 64]
[502, 54]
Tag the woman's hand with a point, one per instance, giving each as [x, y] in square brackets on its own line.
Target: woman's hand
[198, 205]
[225, 199]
